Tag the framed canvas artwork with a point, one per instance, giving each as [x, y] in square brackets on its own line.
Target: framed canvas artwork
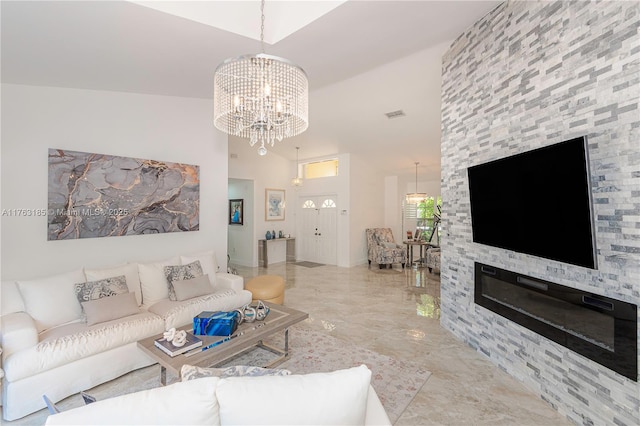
[236, 210]
[100, 195]
[274, 204]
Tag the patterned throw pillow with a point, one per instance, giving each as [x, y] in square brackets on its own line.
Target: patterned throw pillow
[180, 273]
[93, 290]
[191, 372]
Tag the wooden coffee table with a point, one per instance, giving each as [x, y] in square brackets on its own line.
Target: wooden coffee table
[246, 337]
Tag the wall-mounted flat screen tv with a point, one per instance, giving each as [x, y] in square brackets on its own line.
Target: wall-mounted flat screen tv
[537, 202]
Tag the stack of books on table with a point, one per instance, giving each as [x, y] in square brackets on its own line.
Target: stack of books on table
[168, 348]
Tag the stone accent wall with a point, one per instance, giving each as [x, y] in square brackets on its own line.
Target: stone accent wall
[527, 75]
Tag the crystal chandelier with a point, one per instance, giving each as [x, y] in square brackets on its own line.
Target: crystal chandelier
[297, 181]
[416, 197]
[261, 97]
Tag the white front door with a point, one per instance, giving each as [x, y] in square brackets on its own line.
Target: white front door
[318, 229]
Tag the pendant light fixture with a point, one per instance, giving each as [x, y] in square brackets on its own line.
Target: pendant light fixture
[297, 181]
[416, 197]
[261, 97]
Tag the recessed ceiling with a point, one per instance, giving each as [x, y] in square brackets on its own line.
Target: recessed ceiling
[282, 18]
[363, 59]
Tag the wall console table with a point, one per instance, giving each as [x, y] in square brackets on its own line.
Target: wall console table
[279, 253]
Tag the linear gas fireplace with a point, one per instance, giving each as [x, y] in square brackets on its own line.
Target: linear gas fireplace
[597, 327]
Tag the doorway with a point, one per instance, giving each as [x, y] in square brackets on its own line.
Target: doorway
[317, 238]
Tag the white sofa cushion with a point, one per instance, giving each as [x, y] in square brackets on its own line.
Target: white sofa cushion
[67, 343]
[10, 298]
[182, 403]
[153, 282]
[336, 398]
[110, 308]
[177, 314]
[51, 301]
[208, 262]
[130, 271]
[18, 332]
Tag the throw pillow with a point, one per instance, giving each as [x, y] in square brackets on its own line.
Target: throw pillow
[110, 308]
[297, 398]
[182, 403]
[179, 273]
[153, 282]
[129, 270]
[194, 287]
[390, 245]
[191, 372]
[51, 301]
[208, 262]
[93, 290]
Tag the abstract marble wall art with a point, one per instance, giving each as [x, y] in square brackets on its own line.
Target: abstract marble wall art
[97, 195]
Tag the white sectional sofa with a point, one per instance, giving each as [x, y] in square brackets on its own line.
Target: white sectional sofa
[343, 397]
[54, 345]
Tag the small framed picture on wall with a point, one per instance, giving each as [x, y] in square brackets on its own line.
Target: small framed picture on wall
[236, 210]
[274, 204]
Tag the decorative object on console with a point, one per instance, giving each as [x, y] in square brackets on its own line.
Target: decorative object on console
[268, 235]
[97, 195]
[274, 204]
[236, 209]
[261, 97]
[416, 197]
[297, 181]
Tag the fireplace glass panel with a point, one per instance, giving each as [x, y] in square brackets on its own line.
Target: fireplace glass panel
[600, 328]
[583, 323]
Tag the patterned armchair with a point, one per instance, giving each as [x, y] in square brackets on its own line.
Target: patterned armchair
[433, 259]
[382, 248]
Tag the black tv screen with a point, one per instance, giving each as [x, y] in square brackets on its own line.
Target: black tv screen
[537, 202]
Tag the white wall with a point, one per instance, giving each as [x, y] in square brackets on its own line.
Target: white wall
[269, 171]
[367, 207]
[240, 242]
[164, 128]
[274, 171]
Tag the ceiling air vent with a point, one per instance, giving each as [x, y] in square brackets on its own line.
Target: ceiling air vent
[395, 114]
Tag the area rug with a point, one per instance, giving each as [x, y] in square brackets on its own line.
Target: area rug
[396, 382]
[308, 264]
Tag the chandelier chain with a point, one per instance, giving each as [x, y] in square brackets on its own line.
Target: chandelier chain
[262, 26]
[261, 97]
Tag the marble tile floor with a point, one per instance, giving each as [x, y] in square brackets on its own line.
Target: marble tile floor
[396, 312]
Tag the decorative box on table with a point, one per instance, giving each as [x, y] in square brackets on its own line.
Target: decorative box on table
[217, 323]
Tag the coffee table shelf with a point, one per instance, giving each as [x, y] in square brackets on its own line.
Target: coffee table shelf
[247, 336]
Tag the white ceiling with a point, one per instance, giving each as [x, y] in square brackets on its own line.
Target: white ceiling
[363, 59]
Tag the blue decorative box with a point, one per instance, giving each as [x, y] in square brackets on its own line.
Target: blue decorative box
[217, 323]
